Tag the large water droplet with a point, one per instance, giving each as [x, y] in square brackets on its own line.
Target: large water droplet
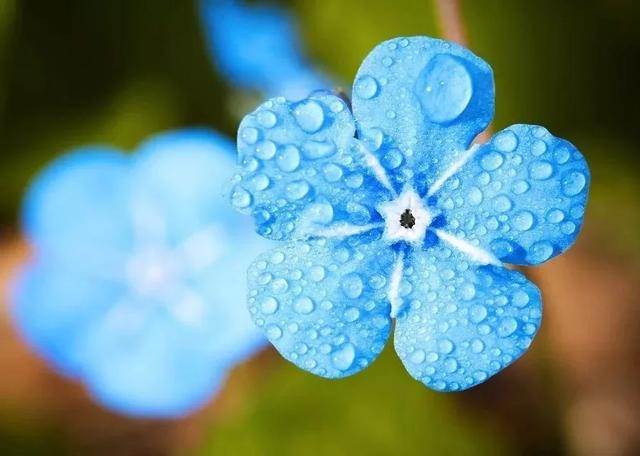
[507, 326]
[303, 305]
[541, 170]
[445, 346]
[540, 251]
[309, 115]
[240, 198]
[506, 141]
[523, 220]
[265, 150]
[260, 182]
[478, 313]
[267, 118]
[366, 87]
[474, 196]
[450, 365]
[477, 346]
[288, 158]
[269, 305]
[444, 88]
[418, 357]
[467, 291]
[274, 332]
[297, 189]
[343, 359]
[492, 160]
[332, 173]
[520, 298]
[573, 183]
[351, 314]
[249, 135]
[352, 285]
[502, 203]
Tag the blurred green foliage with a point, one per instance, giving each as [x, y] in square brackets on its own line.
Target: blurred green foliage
[381, 411]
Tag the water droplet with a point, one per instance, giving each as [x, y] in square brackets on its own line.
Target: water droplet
[249, 135]
[392, 159]
[555, 216]
[387, 61]
[343, 359]
[337, 106]
[467, 291]
[568, 227]
[303, 305]
[502, 203]
[288, 158]
[267, 118]
[418, 357]
[240, 198]
[523, 220]
[492, 160]
[351, 314]
[277, 258]
[477, 346]
[520, 298]
[274, 332]
[520, 187]
[332, 173]
[279, 285]
[314, 150]
[541, 170]
[450, 365]
[478, 313]
[561, 155]
[507, 326]
[573, 183]
[540, 251]
[506, 141]
[352, 285]
[445, 346]
[309, 115]
[260, 182]
[538, 148]
[265, 150]
[269, 305]
[373, 138]
[474, 196]
[297, 189]
[366, 87]
[444, 88]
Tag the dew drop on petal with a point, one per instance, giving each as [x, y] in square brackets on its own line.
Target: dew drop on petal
[573, 183]
[507, 326]
[366, 87]
[288, 158]
[343, 358]
[269, 305]
[506, 141]
[304, 305]
[444, 88]
[352, 285]
[492, 160]
[540, 170]
[240, 198]
[309, 116]
[297, 189]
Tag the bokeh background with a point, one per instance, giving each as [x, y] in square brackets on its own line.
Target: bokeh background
[77, 71]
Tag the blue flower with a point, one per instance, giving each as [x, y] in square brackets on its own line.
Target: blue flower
[387, 211]
[135, 288]
[256, 47]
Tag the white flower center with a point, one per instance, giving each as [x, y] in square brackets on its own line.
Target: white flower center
[406, 218]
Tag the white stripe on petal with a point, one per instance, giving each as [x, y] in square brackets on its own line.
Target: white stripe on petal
[475, 253]
[378, 170]
[343, 230]
[453, 169]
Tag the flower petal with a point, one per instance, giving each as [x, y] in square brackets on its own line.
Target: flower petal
[418, 103]
[77, 210]
[322, 303]
[139, 361]
[54, 308]
[302, 170]
[463, 322]
[178, 180]
[522, 196]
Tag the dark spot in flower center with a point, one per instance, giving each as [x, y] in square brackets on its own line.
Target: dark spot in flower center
[407, 220]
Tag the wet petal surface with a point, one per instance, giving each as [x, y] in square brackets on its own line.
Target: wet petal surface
[418, 103]
[462, 322]
[301, 170]
[322, 303]
[521, 196]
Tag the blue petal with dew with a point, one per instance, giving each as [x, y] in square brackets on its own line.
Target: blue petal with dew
[419, 102]
[522, 196]
[322, 303]
[462, 322]
[301, 169]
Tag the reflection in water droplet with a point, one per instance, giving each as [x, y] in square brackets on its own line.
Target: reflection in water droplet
[309, 115]
[444, 88]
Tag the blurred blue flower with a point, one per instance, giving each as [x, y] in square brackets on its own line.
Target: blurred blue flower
[391, 212]
[136, 285]
[257, 47]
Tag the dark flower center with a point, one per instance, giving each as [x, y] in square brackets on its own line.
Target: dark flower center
[407, 220]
